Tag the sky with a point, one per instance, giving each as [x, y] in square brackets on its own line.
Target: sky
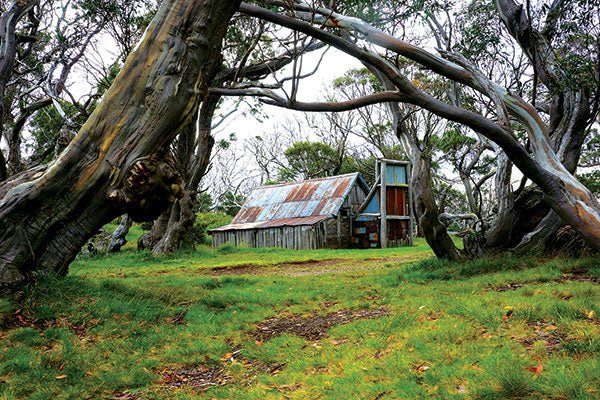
[335, 63]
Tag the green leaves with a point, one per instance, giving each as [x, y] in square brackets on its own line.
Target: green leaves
[362, 77]
[310, 160]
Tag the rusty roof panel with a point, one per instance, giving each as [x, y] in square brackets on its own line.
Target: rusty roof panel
[302, 192]
[340, 190]
[272, 223]
[248, 214]
[290, 201]
[320, 206]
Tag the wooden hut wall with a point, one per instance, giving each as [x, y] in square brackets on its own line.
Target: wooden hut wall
[292, 237]
[245, 238]
[397, 200]
[397, 233]
[331, 230]
[355, 198]
[288, 237]
[341, 239]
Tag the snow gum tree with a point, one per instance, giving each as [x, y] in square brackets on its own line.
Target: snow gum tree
[555, 126]
[115, 164]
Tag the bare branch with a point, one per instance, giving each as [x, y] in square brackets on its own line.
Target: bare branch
[271, 98]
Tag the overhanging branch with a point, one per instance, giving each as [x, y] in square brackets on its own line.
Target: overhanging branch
[271, 98]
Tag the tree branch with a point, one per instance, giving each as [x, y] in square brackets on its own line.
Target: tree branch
[271, 98]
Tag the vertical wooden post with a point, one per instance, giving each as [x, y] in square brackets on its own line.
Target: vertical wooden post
[339, 229]
[410, 205]
[350, 220]
[383, 205]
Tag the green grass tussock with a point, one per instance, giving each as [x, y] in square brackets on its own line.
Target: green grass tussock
[186, 326]
[437, 269]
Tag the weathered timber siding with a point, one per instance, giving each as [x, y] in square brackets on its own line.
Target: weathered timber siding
[236, 238]
[287, 237]
[344, 239]
[346, 233]
[355, 198]
[331, 238]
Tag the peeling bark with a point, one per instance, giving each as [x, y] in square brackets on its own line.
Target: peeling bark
[149, 239]
[536, 239]
[44, 222]
[118, 238]
[180, 226]
[427, 212]
[506, 214]
[567, 197]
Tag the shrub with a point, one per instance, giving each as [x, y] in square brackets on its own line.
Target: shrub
[146, 226]
[207, 221]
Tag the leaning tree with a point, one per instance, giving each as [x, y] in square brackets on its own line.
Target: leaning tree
[248, 58]
[115, 164]
[117, 161]
[554, 134]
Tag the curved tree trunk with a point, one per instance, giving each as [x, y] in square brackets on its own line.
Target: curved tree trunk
[506, 215]
[8, 52]
[538, 238]
[427, 212]
[118, 238]
[558, 147]
[149, 239]
[571, 200]
[179, 228]
[113, 164]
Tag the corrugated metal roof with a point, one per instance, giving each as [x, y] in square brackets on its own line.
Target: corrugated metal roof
[273, 223]
[292, 204]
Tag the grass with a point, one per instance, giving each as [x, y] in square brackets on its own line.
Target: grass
[117, 324]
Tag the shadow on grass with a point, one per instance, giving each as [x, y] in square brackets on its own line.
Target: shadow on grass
[442, 270]
[77, 300]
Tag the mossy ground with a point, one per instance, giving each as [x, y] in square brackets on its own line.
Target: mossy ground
[493, 328]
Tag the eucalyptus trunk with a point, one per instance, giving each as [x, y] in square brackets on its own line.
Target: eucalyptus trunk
[175, 228]
[119, 236]
[426, 209]
[9, 19]
[115, 163]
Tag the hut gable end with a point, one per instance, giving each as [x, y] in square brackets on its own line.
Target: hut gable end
[304, 207]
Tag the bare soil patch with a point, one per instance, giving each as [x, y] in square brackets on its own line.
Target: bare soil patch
[308, 267]
[253, 269]
[581, 278]
[546, 333]
[312, 263]
[240, 269]
[313, 327]
[504, 288]
[349, 265]
[201, 377]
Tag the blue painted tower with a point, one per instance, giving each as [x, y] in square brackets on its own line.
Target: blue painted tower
[386, 217]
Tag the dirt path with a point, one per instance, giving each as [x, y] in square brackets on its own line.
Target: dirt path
[311, 267]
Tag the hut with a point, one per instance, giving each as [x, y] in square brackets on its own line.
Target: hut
[311, 214]
[386, 217]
